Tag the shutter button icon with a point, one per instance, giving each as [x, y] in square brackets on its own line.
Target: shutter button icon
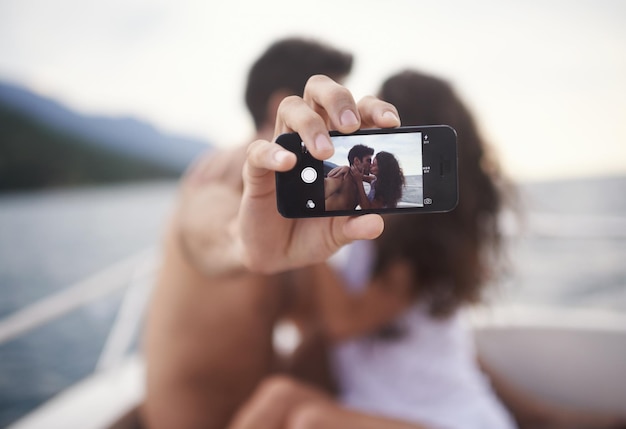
[308, 174]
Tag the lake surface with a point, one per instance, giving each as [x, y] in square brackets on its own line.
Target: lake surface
[573, 250]
[572, 254]
[49, 241]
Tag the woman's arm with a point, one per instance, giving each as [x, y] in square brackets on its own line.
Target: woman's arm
[357, 177]
[369, 178]
[342, 170]
[346, 314]
[339, 171]
[364, 201]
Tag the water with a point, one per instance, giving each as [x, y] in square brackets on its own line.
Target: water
[573, 255]
[51, 239]
[48, 241]
[576, 273]
[413, 192]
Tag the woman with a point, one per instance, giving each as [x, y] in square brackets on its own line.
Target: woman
[385, 186]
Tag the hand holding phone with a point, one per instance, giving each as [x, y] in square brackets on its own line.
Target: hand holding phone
[397, 170]
[271, 243]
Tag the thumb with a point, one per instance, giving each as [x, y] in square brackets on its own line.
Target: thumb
[263, 159]
[366, 227]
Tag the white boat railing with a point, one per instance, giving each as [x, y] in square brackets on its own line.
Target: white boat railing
[131, 311]
[136, 273]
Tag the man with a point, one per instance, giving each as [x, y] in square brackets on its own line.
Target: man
[340, 191]
[208, 339]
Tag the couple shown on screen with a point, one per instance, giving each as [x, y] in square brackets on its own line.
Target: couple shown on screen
[344, 186]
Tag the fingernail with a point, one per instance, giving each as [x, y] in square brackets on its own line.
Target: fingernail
[280, 156]
[322, 143]
[348, 118]
[390, 115]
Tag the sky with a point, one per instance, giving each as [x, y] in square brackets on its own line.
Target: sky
[546, 81]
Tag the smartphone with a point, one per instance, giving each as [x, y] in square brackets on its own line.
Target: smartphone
[391, 170]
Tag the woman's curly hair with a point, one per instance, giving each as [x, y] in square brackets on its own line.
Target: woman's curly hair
[390, 179]
[453, 255]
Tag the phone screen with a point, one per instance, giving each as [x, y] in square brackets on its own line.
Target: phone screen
[387, 166]
[398, 170]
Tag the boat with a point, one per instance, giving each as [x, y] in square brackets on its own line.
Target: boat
[561, 352]
[574, 357]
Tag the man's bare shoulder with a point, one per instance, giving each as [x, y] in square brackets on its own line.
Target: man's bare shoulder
[340, 193]
[218, 166]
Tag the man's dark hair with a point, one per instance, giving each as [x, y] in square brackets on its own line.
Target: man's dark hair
[359, 151]
[287, 65]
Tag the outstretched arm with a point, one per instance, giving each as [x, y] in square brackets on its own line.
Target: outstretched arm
[223, 258]
[197, 376]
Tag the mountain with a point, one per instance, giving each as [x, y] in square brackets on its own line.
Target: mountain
[121, 136]
[36, 156]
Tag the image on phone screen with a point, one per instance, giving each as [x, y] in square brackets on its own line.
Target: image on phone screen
[374, 171]
[397, 170]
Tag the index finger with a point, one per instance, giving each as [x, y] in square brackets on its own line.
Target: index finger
[333, 102]
[325, 105]
[294, 114]
[376, 113]
[263, 159]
